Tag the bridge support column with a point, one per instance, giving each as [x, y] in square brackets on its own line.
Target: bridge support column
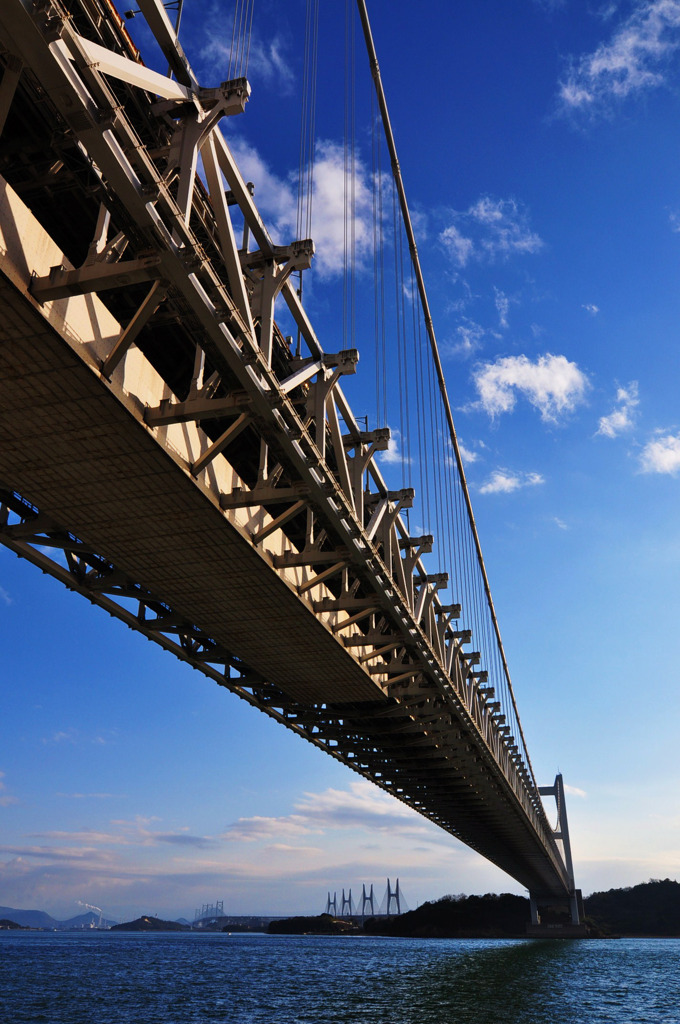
[557, 917]
[555, 906]
[533, 904]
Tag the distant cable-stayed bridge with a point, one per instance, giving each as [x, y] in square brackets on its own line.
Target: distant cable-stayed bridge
[367, 904]
[176, 444]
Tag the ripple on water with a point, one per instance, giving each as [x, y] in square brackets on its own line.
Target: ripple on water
[118, 978]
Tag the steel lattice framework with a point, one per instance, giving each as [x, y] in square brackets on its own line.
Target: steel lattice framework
[190, 473]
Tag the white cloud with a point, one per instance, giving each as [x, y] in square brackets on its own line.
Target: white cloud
[491, 229]
[552, 384]
[674, 218]
[457, 245]
[394, 454]
[632, 60]
[661, 455]
[257, 828]
[560, 523]
[622, 418]
[503, 481]
[468, 338]
[467, 454]
[575, 791]
[362, 806]
[590, 308]
[5, 597]
[276, 199]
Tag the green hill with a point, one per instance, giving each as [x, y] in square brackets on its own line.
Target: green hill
[651, 908]
[150, 924]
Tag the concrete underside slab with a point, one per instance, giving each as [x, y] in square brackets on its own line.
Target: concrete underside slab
[82, 454]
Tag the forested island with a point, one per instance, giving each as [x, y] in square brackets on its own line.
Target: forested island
[150, 924]
[651, 909]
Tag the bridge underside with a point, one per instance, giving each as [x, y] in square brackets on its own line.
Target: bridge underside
[75, 452]
[273, 570]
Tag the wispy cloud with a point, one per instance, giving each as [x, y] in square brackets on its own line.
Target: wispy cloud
[276, 199]
[502, 307]
[138, 832]
[185, 839]
[91, 796]
[552, 384]
[268, 59]
[504, 481]
[622, 418]
[633, 59]
[62, 736]
[5, 597]
[491, 229]
[459, 248]
[362, 806]
[575, 791]
[560, 523]
[590, 308]
[468, 338]
[661, 455]
[75, 738]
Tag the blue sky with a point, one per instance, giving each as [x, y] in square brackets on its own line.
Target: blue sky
[538, 146]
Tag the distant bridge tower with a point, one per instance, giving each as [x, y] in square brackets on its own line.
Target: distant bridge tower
[209, 910]
[367, 901]
[332, 904]
[346, 904]
[393, 898]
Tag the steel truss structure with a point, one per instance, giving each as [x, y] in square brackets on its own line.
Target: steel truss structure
[192, 474]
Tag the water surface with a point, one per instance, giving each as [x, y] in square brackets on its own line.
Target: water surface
[189, 978]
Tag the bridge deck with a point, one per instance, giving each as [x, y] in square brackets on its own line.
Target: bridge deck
[77, 452]
[304, 596]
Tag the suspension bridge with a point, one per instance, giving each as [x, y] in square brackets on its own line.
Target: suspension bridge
[176, 440]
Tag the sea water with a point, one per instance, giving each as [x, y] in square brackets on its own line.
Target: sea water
[190, 978]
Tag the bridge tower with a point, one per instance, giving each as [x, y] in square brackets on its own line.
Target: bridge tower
[393, 898]
[332, 904]
[346, 904]
[573, 901]
[367, 901]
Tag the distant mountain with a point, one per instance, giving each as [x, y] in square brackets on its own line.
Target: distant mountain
[31, 918]
[39, 919]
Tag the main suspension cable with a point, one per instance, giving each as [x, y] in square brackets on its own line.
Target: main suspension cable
[413, 250]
